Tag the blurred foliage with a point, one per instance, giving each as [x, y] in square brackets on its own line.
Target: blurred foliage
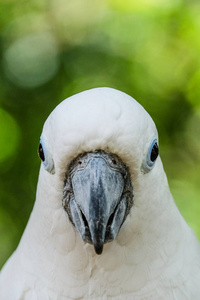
[52, 49]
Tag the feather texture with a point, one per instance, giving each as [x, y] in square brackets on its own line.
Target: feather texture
[155, 255]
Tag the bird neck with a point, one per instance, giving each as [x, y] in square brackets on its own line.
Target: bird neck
[55, 250]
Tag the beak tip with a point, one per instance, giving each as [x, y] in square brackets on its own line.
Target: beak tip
[98, 249]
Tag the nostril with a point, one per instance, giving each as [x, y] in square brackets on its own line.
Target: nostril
[114, 161]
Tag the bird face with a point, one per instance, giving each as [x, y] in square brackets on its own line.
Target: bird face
[99, 145]
[98, 195]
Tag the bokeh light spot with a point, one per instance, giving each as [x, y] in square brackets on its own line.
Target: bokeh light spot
[32, 60]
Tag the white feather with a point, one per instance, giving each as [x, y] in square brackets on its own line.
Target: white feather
[155, 255]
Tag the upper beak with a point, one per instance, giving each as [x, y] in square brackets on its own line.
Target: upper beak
[98, 207]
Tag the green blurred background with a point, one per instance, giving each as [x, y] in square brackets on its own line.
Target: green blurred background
[53, 49]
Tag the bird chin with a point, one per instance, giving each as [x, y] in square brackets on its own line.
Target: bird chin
[98, 195]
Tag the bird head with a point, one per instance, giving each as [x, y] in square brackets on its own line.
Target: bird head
[99, 146]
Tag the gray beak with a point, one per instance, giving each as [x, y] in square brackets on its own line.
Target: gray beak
[98, 205]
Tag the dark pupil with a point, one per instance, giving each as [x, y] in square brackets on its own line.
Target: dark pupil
[41, 152]
[154, 152]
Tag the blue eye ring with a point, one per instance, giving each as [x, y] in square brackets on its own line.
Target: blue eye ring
[151, 157]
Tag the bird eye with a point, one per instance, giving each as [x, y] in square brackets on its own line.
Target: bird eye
[41, 152]
[45, 156]
[151, 157]
[154, 151]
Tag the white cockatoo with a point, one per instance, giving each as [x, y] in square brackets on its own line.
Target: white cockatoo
[104, 224]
